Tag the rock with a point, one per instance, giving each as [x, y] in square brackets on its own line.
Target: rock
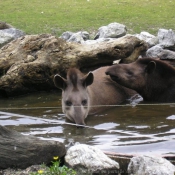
[158, 51]
[113, 30]
[78, 37]
[15, 33]
[85, 35]
[89, 159]
[150, 165]
[5, 38]
[154, 51]
[22, 151]
[166, 38]
[151, 40]
[4, 25]
[8, 35]
[166, 46]
[167, 54]
[29, 63]
[66, 35]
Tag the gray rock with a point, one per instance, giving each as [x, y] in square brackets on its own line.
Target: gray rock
[88, 160]
[113, 30]
[85, 35]
[78, 37]
[5, 38]
[167, 54]
[66, 35]
[166, 38]
[10, 34]
[151, 40]
[158, 51]
[154, 51]
[15, 33]
[150, 165]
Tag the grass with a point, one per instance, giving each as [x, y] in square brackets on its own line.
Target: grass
[58, 16]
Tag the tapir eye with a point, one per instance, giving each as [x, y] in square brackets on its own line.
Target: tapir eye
[84, 102]
[68, 103]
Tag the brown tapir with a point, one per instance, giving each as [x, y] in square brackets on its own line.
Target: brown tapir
[83, 94]
[153, 79]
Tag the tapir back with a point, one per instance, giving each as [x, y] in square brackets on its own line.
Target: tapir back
[103, 91]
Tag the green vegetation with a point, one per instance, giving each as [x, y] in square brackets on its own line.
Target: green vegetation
[58, 16]
[55, 169]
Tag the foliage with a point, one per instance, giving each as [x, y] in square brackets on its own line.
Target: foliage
[55, 169]
[56, 17]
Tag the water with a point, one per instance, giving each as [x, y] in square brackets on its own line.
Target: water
[133, 129]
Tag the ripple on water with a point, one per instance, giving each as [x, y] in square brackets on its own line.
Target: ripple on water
[106, 126]
[172, 117]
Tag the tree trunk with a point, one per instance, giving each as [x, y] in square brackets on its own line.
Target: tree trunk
[20, 151]
[29, 63]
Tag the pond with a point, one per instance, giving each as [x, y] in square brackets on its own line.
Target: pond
[128, 128]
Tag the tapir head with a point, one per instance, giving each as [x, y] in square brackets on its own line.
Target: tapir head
[134, 75]
[150, 77]
[75, 96]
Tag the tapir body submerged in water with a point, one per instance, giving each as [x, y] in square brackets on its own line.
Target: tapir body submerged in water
[83, 94]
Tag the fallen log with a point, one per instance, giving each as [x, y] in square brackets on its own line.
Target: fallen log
[29, 63]
[21, 151]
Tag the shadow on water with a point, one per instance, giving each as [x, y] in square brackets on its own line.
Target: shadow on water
[142, 128]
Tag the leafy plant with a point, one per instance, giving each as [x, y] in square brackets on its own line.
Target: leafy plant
[55, 169]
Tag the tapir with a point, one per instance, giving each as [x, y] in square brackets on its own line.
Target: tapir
[88, 94]
[153, 79]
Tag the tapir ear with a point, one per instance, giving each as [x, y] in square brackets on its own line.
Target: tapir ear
[150, 67]
[60, 82]
[88, 79]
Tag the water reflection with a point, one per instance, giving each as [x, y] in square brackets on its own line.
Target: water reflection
[126, 129]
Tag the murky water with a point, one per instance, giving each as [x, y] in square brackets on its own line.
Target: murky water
[141, 128]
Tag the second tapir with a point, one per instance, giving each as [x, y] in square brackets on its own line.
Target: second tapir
[88, 94]
[153, 79]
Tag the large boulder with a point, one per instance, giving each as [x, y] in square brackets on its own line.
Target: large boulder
[89, 160]
[150, 165]
[113, 30]
[29, 63]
